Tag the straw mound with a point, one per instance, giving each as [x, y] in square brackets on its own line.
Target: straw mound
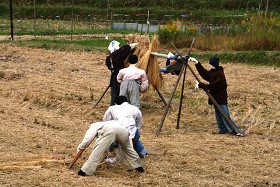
[147, 62]
[150, 65]
[143, 45]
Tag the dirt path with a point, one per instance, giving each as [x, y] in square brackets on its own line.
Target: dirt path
[46, 100]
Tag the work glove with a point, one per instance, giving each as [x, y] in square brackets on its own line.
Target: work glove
[133, 45]
[78, 149]
[111, 160]
[202, 85]
[193, 60]
[196, 85]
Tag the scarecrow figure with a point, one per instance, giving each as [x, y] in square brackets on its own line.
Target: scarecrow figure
[132, 80]
[217, 87]
[131, 118]
[108, 132]
[173, 67]
[115, 62]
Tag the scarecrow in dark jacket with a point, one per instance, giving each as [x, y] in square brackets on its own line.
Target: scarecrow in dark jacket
[217, 87]
[115, 62]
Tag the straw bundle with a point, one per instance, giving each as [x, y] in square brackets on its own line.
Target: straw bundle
[150, 65]
[143, 45]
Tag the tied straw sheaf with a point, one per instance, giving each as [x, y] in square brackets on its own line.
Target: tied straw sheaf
[147, 62]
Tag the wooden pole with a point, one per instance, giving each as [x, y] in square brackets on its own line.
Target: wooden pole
[101, 96]
[174, 89]
[106, 37]
[161, 97]
[181, 100]
[11, 20]
[76, 158]
[169, 102]
[266, 8]
[148, 23]
[35, 19]
[72, 19]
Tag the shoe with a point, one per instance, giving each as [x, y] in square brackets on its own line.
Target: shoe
[140, 169]
[144, 155]
[162, 70]
[222, 132]
[241, 132]
[81, 173]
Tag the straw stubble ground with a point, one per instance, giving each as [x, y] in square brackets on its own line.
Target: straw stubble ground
[46, 107]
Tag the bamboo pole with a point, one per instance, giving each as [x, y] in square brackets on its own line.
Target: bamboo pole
[101, 96]
[169, 102]
[106, 37]
[11, 20]
[35, 19]
[76, 158]
[181, 100]
[160, 95]
[266, 8]
[72, 19]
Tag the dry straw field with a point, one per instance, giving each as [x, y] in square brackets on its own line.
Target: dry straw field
[46, 100]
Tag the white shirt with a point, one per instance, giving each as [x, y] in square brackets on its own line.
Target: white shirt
[128, 115]
[134, 73]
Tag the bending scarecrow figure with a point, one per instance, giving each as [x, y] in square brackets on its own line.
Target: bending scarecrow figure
[173, 67]
[131, 118]
[109, 132]
[217, 87]
[132, 80]
[115, 62]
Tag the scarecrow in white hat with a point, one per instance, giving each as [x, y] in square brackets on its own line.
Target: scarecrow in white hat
[115, 62]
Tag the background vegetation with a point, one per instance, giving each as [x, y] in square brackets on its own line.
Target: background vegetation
[180, 4]
[244, 30]
[206, 11]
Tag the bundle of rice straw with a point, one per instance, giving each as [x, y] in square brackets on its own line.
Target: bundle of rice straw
[149, 64]
[143, 45]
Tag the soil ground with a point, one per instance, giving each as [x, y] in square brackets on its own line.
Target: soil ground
[46, 100]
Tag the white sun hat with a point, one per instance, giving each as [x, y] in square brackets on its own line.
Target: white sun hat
[114, 45]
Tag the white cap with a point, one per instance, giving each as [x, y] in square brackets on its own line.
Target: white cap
[170, 54]
[114, 45]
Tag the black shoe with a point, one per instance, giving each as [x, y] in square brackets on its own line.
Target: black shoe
[81, 173]
[140, 169]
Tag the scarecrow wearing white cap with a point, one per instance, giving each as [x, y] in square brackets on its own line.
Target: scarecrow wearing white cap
[217, 87]
[115, 62]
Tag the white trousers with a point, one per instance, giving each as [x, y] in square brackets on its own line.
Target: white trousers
[110, 134]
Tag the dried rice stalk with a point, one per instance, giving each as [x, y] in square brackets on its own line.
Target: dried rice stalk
[143, 45]
[150, 65]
